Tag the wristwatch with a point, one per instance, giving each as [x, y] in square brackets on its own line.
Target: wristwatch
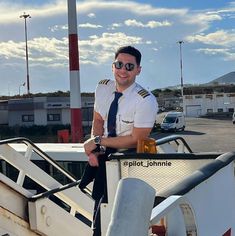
[97, 140]
[99, 148]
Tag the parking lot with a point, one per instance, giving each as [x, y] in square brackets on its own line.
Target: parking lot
[205, 135]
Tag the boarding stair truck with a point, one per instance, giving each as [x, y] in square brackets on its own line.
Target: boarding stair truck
[193, 193]
[173, 121]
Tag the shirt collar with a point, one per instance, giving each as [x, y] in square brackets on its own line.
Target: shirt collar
[127, 90]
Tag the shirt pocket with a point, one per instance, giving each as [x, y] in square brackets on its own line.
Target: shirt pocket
[126, 124]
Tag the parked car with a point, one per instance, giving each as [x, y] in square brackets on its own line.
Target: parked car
[173, 121]
[233, 119]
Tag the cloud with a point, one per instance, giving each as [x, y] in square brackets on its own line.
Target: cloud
[89, 25]
[225, 40]
[65, 27]
[205, 17]
[226, 54]
[220, 37]
[12, 49]
[130, 6]
[91, 15]
[150, 24]
[58, 28]
[52, 52]
[10, 11]
[115, 26]
[104, 26]
[44, 51]
[107, 43]
[199, 21]
[213, 51]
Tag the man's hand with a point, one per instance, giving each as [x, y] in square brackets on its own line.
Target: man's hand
[93, 159]
[89, 146]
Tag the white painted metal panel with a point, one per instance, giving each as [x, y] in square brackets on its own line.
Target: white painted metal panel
[48, 219]
[193, 110]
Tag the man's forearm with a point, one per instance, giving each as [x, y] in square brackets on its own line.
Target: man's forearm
[97, 125]
[97, 129]
[128, 141]
[119, 142]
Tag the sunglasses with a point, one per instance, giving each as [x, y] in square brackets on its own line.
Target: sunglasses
[128, 66]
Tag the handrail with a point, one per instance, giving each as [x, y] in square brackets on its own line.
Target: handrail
[173, 138]
[47, 194]
[164, 156]
[45, 156]
[41, 153]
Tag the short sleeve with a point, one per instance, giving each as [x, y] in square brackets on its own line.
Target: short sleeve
[103, 97]
[96, 105]
[146, 112]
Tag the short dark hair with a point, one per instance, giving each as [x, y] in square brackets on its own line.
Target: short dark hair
[129, 50]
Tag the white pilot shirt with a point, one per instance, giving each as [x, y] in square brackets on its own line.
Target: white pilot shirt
[136, 107]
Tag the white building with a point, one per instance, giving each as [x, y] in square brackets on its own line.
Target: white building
[200, 101]
[42, 111]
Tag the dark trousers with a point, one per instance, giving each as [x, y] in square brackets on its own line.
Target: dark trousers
[99, 192]
[96, 218]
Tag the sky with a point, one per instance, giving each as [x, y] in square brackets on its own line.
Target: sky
[153, 26]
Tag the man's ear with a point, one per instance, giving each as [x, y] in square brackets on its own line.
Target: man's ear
[138, 70]
[112, 67]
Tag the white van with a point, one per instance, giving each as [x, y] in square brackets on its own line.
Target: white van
[173, 121]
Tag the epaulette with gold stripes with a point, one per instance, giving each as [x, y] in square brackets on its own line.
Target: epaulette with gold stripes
[104, 81]
[143, 93]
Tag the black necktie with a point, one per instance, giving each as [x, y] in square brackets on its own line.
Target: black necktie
[112, 115]
[112, 119]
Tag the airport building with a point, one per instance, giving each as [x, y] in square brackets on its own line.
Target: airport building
[198, 101]
[43, 111]
[207, 100]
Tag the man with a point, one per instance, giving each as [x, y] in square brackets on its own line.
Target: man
[134, 114]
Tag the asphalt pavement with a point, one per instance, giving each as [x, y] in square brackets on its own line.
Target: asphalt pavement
[205, 135]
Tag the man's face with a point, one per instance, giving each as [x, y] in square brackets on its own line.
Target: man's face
[123, 77]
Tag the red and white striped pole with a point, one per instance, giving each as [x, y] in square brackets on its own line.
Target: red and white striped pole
[75, 94]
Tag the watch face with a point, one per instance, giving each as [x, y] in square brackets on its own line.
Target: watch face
[97, 140]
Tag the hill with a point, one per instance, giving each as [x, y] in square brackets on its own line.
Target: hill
[228, 78]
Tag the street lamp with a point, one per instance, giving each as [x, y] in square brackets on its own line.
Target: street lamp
[21, 85]
[25, 16]
[181, 73]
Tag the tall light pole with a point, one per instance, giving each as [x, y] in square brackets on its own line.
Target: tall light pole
[21, 85]
[25, 16]
[181, 72]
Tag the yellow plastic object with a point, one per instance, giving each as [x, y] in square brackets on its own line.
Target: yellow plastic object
[147, 145]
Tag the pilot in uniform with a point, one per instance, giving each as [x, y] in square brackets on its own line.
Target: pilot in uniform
[136, 108]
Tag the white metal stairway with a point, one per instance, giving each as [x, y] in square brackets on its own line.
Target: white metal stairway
[23, 212]
[191, 193]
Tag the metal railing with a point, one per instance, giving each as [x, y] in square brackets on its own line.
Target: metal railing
[176, 139]
[26, 168]
[31, 147]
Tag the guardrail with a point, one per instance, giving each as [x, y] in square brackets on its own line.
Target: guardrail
[31, 147]
[176, 139]
[47, 183]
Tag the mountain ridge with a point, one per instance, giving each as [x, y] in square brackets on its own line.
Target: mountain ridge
[228, 78]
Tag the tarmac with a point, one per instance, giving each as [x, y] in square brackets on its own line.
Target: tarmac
[205, 135]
